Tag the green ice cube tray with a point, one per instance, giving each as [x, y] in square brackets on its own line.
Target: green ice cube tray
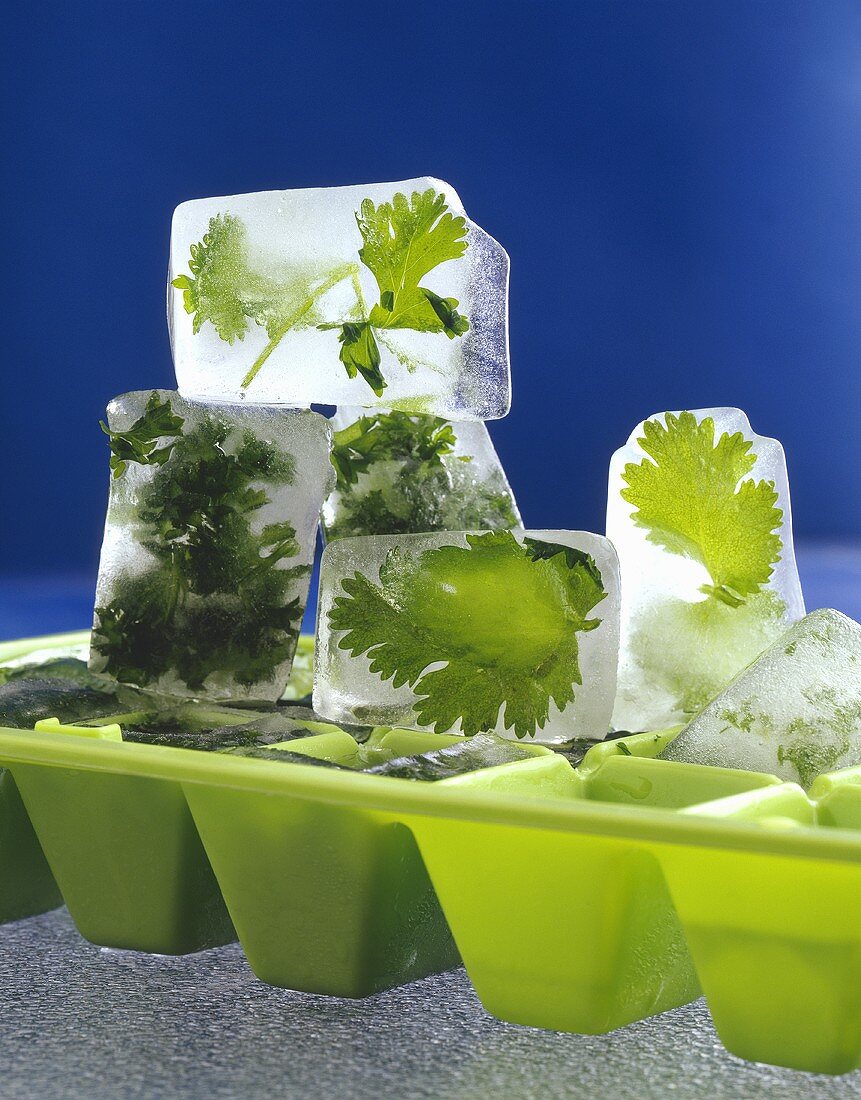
[579, 899]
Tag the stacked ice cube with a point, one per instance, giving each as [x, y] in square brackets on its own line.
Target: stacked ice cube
[389, 303]
[438, 611]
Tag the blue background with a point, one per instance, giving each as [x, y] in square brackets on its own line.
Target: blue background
[677, 183]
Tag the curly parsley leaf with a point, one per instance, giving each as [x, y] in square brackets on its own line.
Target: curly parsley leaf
[214, 598]
[502, 659]
[139, 443]
[692, 501]
[397, 473]
[404, 240]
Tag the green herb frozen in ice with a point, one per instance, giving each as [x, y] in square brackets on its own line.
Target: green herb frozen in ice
[343, 295]
[404, 474]
[698, 510]
[795, 712]
[487, 632]
[208, 544]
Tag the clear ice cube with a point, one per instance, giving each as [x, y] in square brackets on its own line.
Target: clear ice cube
[23, 703]
[210, 731]
[208, 544]
[377, 295]
[482, 751]
[708, 574]
[794, 713]
[399, 474]
[507, 632]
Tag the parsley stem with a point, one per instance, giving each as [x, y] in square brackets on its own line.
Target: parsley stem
[338, 275]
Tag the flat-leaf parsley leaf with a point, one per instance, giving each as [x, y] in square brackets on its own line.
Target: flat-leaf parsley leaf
[691, 498]
[503, 620]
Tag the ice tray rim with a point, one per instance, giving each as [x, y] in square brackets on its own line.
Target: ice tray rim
[404, 798]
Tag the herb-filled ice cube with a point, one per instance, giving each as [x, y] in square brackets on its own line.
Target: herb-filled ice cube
[384, 294]
[507, 632]
[795, 712]
[698, 510]
[400, 474]
[208, 544]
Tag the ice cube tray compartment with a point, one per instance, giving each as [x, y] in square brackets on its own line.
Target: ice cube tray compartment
[578, 899]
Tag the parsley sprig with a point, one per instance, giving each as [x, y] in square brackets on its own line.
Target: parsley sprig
[398, 473]
[402, 242]
[141, 442]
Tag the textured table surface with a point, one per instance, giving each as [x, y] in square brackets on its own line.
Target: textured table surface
[80, 1021]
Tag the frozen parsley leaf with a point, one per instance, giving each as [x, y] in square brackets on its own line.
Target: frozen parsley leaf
[404, 240]
[692, 500]
[453, 323]
[218, 268]
[517, 651]
[140, 442]
[360, 354]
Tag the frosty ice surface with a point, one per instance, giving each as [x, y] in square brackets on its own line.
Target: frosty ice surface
[795, 712]
[507, 632]
[698, 510]
[208, 544]
[406, 474]
[384, 294]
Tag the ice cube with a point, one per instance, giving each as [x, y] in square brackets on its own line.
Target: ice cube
[25, 702]
[211, 731]
[402, 474]
[306, 716]
[377, 295]
[794, 713]
[698, 510]
[482, 751]
[55, 668]
[510, 632]
[285, 756]
[208, 544]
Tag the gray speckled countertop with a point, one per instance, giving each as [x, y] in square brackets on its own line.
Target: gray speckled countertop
[82, 1021]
